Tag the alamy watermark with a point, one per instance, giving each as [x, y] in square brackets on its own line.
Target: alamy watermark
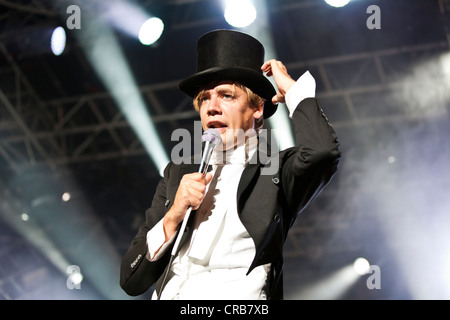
[267, 151]
[74, 20]
[374, 280]
[374, 20]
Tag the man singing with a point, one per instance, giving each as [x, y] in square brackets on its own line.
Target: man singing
[232, 247]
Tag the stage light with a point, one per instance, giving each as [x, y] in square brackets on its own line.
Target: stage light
[76, 278]
[65, 196]
[361, 266]
[240, 13]
[151, 31]
[58, 41]
[337, 3]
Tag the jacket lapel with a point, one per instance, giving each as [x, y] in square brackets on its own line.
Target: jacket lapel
[244, 187]
[251, 173]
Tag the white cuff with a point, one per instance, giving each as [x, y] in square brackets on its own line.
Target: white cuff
[155, 241]
[305, 87]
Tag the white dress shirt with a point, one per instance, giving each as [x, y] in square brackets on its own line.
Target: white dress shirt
[213, 263]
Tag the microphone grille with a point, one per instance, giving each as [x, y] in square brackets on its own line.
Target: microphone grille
[212, 135]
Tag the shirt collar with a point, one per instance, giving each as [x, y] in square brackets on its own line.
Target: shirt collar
[240, 154]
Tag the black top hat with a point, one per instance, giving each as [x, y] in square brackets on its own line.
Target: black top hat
[231, 55]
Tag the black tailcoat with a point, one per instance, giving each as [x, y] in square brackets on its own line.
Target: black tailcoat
[267, 204]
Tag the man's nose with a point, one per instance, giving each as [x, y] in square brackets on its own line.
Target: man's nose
[214, 106]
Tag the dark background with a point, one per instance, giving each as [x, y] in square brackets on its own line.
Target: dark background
[386, 92]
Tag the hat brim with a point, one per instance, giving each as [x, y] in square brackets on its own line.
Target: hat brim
[253, 80]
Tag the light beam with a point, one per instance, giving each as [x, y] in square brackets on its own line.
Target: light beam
[279, 122]
[107, 58]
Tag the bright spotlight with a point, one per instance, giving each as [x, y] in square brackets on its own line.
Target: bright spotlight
[240, 13]
[150, 31]
[65, 196]
[58, 41]
[337, 3]
[361, 266]
[76, 278]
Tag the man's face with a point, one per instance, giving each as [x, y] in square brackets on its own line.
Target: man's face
[226, 108]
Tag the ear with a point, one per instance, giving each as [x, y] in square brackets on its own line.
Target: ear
[259, 111]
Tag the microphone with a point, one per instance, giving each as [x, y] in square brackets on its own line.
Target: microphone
[212, 138]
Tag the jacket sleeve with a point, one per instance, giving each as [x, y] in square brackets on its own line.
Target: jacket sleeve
[137, 273]
[309, 167]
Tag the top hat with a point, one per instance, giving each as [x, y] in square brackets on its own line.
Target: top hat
[231, 55]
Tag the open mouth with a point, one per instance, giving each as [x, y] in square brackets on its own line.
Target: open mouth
[219, 126]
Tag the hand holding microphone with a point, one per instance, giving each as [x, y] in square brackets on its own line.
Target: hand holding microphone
[191, 190]
[190, 194]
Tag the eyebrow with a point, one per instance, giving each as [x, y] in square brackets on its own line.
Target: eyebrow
[227, 90]
[220, 91]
